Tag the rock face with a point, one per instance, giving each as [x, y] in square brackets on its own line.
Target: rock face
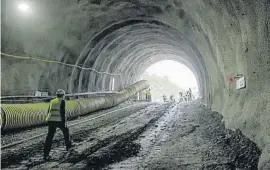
[215, 39]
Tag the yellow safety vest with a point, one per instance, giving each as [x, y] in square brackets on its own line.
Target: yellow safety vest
[148, 93]
[54, 110]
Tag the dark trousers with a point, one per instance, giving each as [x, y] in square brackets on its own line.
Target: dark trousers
[52, 125]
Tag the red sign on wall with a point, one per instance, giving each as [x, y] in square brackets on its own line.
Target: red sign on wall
[231, 79]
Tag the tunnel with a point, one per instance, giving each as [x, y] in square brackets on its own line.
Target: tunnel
[215, 39]
[131, 60]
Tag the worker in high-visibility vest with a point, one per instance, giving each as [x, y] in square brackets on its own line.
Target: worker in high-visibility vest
[56, 119]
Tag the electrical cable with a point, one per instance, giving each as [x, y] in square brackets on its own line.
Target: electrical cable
[58, 62]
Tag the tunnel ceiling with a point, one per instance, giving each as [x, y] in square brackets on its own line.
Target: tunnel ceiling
[216, 39]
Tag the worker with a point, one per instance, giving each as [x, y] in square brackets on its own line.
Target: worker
[172, 98]
[56, 119]
[164, 98]
[185, 96]
[181, 97]
[189, 94]
[148, 95]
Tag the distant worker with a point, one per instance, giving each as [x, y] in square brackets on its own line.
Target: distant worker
[186, 96]
[148, 95]
[56, 119]
[181, 99]
[172, 98]
[189, 94]
[164, 98]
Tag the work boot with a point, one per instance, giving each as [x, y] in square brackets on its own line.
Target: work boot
[46, 158]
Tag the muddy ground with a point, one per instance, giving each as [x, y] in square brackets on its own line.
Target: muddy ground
[145, 136]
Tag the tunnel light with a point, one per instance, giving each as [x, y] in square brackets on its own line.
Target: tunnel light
[24, 7]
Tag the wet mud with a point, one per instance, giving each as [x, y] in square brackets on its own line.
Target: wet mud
[158, 136]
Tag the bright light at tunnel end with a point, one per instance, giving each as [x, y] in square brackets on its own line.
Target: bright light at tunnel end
[177, 73]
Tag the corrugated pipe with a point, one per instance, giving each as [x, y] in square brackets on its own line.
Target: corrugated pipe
[14, 116]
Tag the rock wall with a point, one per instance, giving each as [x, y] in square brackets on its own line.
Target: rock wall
[214, 38]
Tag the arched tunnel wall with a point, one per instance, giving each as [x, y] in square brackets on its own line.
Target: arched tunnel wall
[215, 39]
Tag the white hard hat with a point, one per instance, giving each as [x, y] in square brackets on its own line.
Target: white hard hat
[60, 91]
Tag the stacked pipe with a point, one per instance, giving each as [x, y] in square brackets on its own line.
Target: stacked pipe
[14, 116]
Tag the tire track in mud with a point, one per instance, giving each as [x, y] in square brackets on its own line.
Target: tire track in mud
[111, 149]
[116, 149]
[192, 137]
[15, 155]
[102, 152]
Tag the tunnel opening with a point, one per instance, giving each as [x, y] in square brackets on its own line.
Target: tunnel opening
[128, 47]
[170, 78]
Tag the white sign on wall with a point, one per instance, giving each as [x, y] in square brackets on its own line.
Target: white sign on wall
[37, 93]
[241, 83]
[45, 94]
